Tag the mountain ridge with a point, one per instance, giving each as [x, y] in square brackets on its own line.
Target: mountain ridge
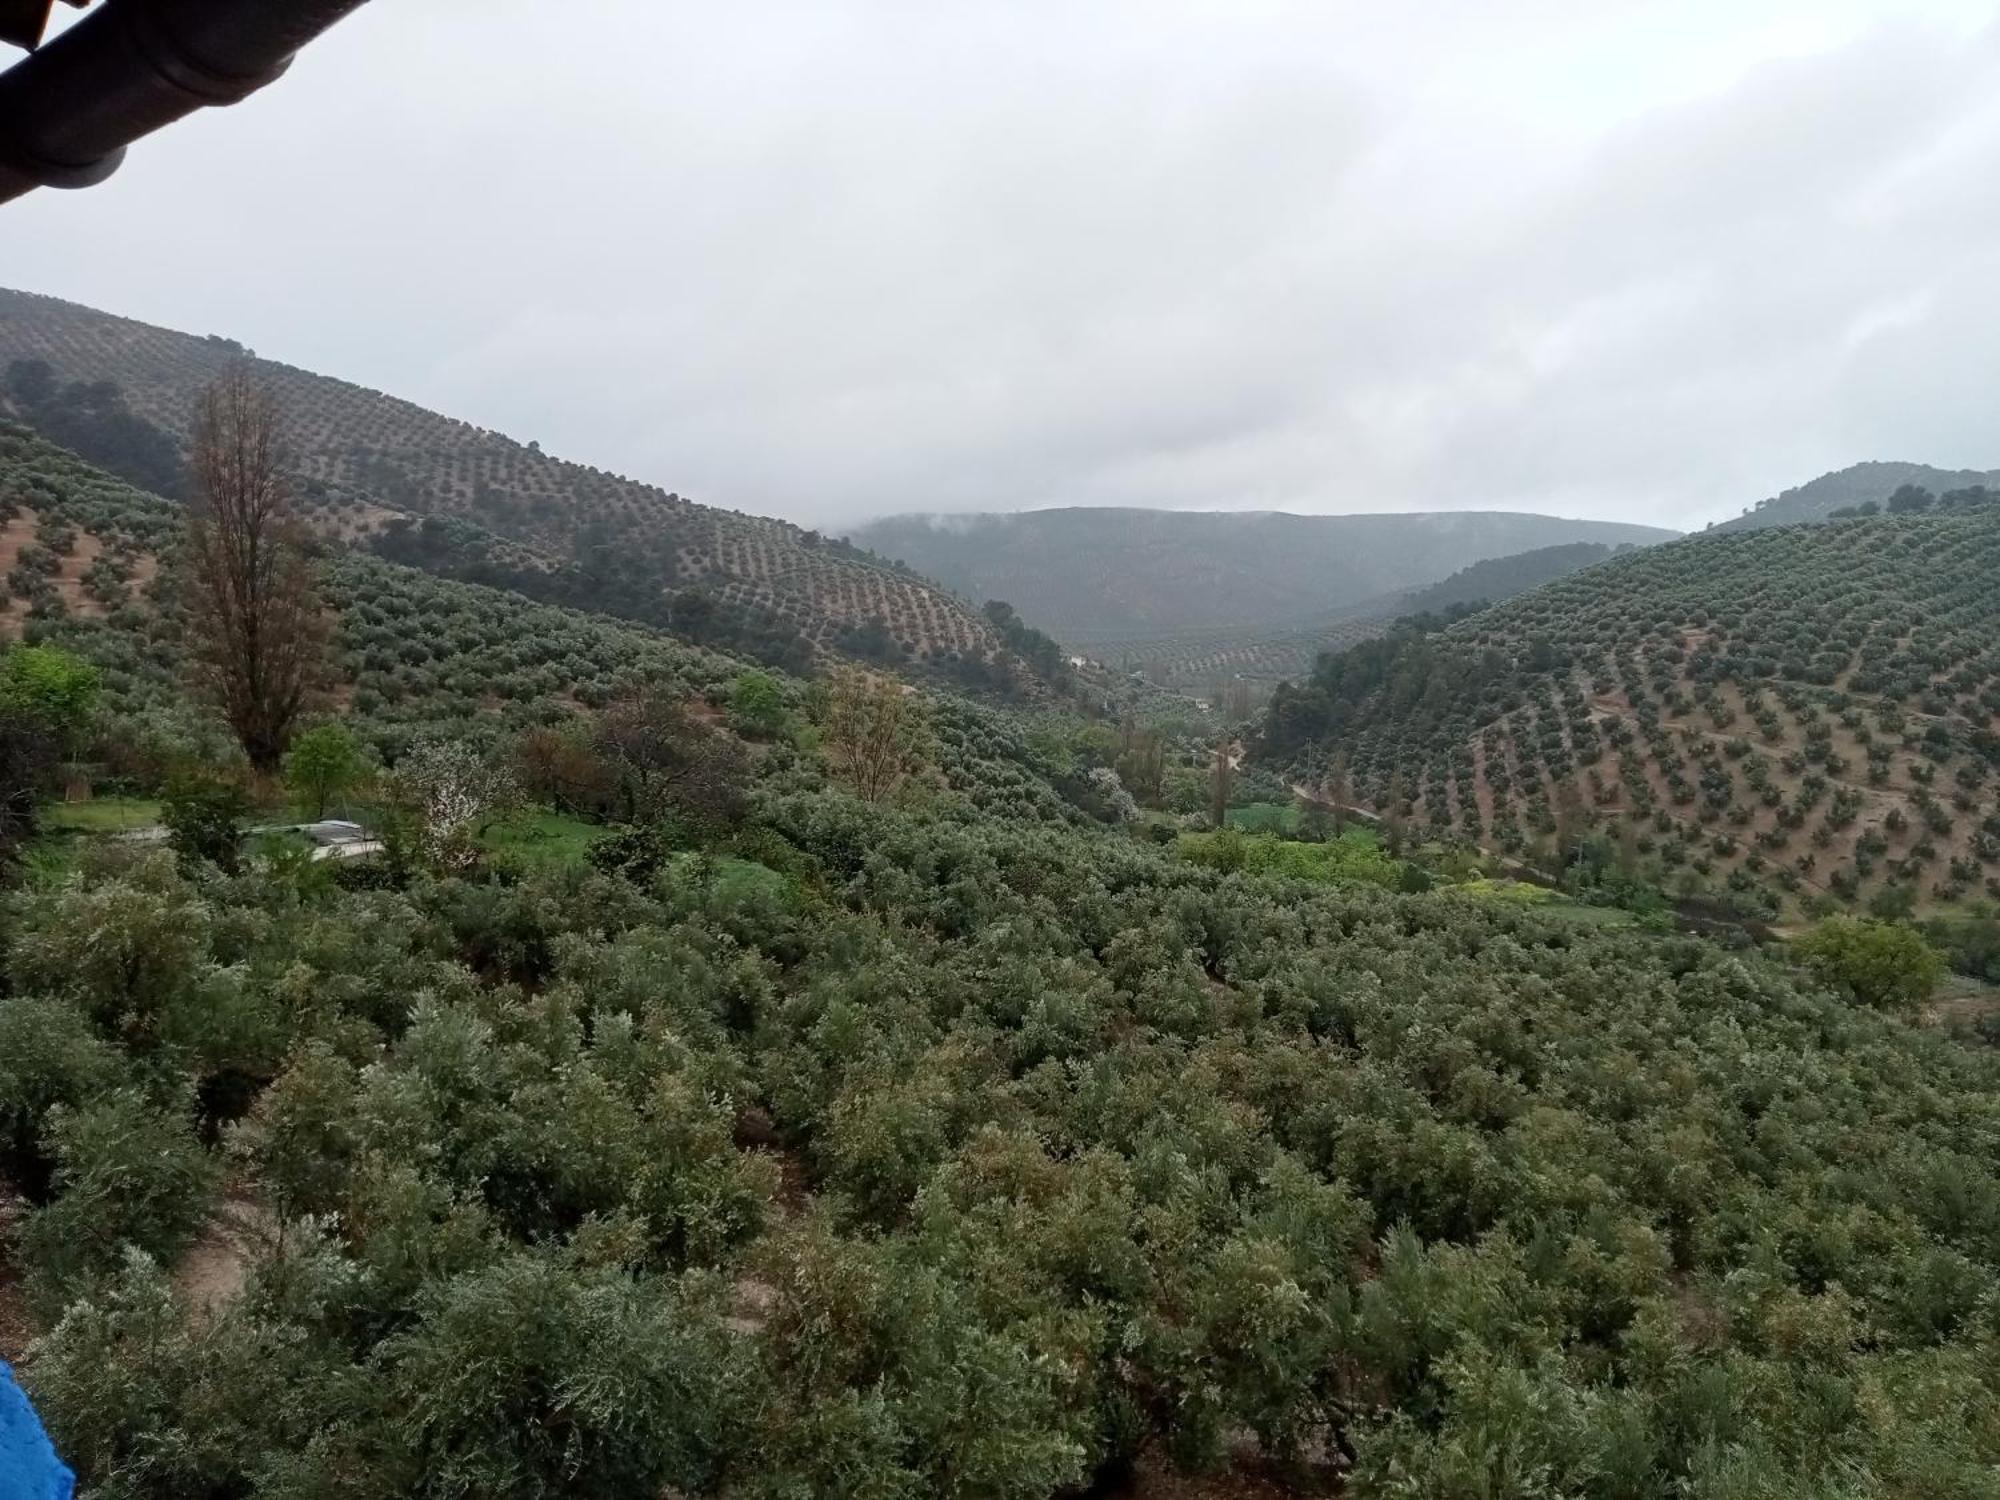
[1872, 480]
[1096, 575]
[472, 503]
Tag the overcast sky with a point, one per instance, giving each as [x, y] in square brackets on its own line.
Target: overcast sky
[840, 258]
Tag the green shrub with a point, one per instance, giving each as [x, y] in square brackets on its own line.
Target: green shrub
[204, 817]
[324, 763]
[757, 706]
[538, 1378]
[127, 1173]
[1884, 964]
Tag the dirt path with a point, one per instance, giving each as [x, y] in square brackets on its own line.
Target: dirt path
[15, 1329]
[1962, 1002]
[1245, 1475]
[753, 1298]
[211, 1275]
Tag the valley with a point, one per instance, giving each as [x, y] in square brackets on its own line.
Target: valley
[1104, 576]
[1025, 1084]
[1148, 771]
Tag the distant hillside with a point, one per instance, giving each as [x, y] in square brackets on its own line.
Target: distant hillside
[1500, 578]
[80, 555]
[1768, 720]
[464, 502]
[415, 655]
[1097, 576]
[1859, 484]
[1205, 661]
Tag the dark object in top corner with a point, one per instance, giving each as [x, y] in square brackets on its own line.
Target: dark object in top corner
[68, 112]
[22, 22]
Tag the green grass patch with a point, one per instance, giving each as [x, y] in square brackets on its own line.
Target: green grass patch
[1515, 892]
[1265, 817]
[1549, 903]
[101, 815]
[735, 878]
[65, 829]
[1355, 855]
[1590, 916]
[540, 838]
[1284, 820]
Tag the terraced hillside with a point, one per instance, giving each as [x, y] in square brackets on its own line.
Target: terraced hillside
[1261, 656]
[416, 655]
[464, 501]
[79, 565]
[1101, 577]
[1769, 719]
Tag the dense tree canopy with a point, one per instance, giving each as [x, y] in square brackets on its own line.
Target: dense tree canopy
[1883, 964]
[890, 1107]
[926, 1156]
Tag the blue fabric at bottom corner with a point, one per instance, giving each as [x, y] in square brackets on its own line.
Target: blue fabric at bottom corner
[29, 1468]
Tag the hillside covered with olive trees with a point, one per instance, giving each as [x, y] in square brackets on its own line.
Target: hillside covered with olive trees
[722, 1080]
[1124, 940]
[468, 503]
[1864, 484]
[714, 1081]
[1775, 721]
[689, 1076]
[1246, 662]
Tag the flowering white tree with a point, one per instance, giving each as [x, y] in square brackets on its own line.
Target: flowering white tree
[453, 789]
[1111, 787]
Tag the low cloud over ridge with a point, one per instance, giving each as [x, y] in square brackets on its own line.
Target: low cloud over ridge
[857, 257]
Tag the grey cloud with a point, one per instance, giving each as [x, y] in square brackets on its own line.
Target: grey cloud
[837, 259]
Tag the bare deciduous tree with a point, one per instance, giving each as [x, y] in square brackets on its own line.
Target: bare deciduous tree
[559, 766]
[1338, 792]
[875, 735]
[256, 621]
[663, 759]
[1221, 783]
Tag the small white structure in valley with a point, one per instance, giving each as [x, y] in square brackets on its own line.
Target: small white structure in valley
[335, 838]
